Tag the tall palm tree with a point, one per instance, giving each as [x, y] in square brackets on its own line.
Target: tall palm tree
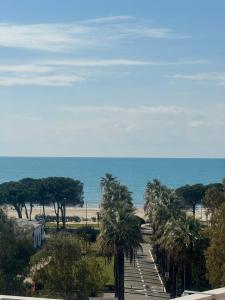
[120, 234]
[161, 203]
[180, 242]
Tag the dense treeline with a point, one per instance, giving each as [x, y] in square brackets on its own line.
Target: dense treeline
[187, 250]
[59, 192]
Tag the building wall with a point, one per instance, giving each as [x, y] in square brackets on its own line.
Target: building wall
[38, 236]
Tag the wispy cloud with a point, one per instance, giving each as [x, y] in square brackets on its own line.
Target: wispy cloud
[119, 62]
[111, 19]
[68, 72]
[170, 110]
[79, 35]
[50, 80]
[25, 68]
[217, 78]
[137, 130]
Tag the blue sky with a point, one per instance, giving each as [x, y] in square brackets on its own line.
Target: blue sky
[112, 78]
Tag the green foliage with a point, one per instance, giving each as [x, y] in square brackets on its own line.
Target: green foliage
[213, 199]
[192, 195]
[58, 191]
[87, 233]
[15, 253]
[49, 218]
[62, 270]
[215, 254]
[178, 240]
[161, 204]
[120, 230]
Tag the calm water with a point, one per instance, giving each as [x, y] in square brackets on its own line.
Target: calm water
[133, 172]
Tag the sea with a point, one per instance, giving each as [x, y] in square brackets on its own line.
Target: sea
[133, 172]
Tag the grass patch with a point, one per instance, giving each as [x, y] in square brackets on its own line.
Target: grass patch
[108, 268]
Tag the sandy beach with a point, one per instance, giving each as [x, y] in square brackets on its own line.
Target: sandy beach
[81, 212]
[88, 213]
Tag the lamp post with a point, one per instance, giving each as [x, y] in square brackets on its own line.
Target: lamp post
[64, 213]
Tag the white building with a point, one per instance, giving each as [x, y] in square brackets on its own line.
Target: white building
[33, 230]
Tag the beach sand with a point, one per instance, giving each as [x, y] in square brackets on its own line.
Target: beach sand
[81, 212]
[90, 212]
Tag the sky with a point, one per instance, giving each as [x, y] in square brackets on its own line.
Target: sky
[113, 78]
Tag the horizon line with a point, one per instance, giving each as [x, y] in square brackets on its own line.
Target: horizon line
[112, 157]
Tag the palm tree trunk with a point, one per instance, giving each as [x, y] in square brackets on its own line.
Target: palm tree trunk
[120, 272]
[184, 277]
[115, 275]
[174, 281]
[188, 276]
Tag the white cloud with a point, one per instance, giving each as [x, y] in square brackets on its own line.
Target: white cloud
[24, 68]
[68, 72]
[104, 109]
[118, 62]
[79, 35]
[217, 78]
[50, 80]
[207, 123]
[103, 20]
[117, 131]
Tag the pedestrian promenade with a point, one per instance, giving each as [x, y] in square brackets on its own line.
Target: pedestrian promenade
[142, 280]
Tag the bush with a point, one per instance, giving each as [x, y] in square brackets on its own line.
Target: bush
[73, 219]
[87, 233]
[49, 218]
[68, 274]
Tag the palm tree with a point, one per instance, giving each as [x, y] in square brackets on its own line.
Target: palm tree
[161, 203]
[180, 242]
[120, 234]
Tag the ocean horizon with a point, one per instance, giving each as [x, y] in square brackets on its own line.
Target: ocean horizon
[133, 172]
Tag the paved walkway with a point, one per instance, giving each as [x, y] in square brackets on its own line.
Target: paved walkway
[142, 281]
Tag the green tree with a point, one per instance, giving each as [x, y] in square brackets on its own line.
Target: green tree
[61, 191]
[213, 199]
[12, 193]
[30, 193]
[15, 253]
[192, 195]
[62, 271]
[177, 239]
[120, 233]
[181, 241]
[161, 203]
[215, 254]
